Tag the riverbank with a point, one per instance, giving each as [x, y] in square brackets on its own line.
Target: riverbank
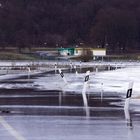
[38, 54]
[21, 66]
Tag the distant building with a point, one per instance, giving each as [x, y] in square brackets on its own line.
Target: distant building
[97, 52]
[78, 51]
[66, 51]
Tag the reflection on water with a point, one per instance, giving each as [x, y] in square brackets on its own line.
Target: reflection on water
[128, 119]
[71, 128]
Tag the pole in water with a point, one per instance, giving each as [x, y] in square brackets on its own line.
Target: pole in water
[96, 69]
[80, 65]
[62, 76]
[102, 92]
[75, 70]
[116, 67]
[108, 67]
[29, 71]
[126, 105]
[84, 93]
[55, 67]
[128, 96]
[71, 66]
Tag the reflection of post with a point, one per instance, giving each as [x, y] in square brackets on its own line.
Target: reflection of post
[7, 71]
[130, 135]
[60, 98]
[102, 92]
[84, 93]
[128, 118]
[13, 63]
[126, 105]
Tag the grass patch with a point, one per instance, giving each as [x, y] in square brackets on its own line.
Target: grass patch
[122, 57]
[14, 56]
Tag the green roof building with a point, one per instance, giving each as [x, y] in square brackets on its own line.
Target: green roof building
[66, 51]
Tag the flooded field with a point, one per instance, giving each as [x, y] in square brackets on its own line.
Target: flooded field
[43, 107]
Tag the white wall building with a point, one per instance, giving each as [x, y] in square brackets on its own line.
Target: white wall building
[99, 52]
[78, 51]
[95, 51]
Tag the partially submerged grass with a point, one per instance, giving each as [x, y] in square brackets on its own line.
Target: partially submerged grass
[14, 56]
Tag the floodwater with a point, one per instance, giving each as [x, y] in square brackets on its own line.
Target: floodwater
[42, 107]
[70, 128]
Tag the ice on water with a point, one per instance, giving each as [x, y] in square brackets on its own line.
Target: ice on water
[108, 81]
[113, 81]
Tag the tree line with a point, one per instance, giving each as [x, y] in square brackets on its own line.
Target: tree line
[114, 24]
